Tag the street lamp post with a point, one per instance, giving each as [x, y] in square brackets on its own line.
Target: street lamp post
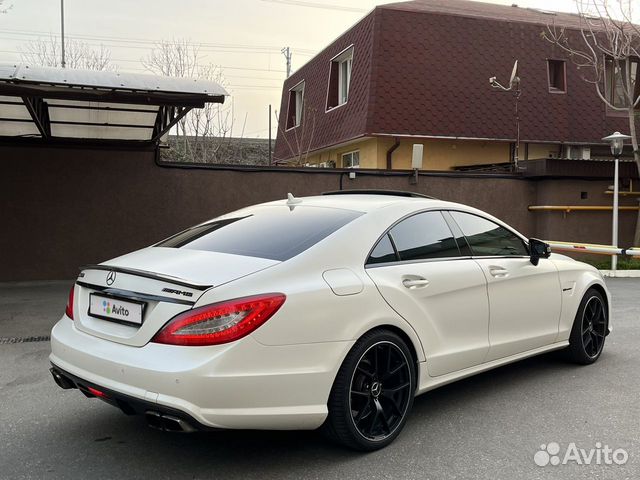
[617, 144]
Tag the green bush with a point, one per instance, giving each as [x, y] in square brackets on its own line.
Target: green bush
[624, 263]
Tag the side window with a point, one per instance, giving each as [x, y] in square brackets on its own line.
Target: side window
[384, 252]
[424, 236]
[487, 238]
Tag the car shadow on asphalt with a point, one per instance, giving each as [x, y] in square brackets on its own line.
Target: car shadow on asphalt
[128, 437]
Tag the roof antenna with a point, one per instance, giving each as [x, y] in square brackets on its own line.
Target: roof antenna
[291, 200]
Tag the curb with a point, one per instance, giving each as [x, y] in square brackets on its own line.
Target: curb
[621, 273]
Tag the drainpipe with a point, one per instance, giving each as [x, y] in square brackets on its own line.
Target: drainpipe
[390, 154]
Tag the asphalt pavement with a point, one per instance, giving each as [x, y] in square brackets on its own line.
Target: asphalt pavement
[491, 426]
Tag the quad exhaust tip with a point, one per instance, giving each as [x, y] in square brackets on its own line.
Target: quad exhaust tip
[157, 420]
[167, 423]
[61, 380]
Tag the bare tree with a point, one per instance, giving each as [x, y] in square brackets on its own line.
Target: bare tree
[210, 127]
[77, 54]
[3, 8]
[174, 58]
[300, 140]
[204, 134]
[606, 51]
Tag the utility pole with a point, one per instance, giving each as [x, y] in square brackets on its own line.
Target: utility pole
[270, 154]
[63, 63]
[514, 86]
[286, 51]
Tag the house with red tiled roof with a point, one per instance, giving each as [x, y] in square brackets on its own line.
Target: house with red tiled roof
[418, 72]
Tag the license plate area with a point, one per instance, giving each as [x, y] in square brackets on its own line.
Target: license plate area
[116, 309]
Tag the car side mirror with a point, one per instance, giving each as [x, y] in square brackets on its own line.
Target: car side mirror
[538, 249]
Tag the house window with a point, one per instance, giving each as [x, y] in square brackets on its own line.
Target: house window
[557, 73]
[620, 79]
[296, 103]
[340, 79]
[351, 159]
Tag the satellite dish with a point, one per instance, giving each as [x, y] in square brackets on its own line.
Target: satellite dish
[514, 73]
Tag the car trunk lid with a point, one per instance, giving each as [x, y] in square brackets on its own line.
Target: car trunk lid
[162, 281]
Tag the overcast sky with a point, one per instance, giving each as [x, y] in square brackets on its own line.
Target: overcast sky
[243, 36]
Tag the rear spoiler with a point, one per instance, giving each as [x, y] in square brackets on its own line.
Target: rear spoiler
[146, 274]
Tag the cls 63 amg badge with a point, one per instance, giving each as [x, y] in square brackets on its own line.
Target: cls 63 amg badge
[178, 292]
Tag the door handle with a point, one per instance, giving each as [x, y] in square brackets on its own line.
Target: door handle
[498, 272]
[415, 283]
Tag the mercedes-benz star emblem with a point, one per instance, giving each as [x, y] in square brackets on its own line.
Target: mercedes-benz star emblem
[111, 277]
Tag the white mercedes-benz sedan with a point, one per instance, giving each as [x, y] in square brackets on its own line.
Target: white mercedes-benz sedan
[331, 311]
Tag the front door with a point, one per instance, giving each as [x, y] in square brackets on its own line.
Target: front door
[525, 299]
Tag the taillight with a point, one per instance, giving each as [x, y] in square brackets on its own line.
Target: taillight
[97, 393]
[220, 322]
[69, 310]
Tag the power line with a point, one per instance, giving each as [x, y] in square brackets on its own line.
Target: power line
[253, 77]
[151, 47]
[252, 87]
[325, 6]
[150, 42]
[230, 85]
[225, 67]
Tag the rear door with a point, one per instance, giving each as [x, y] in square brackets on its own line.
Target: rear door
[424, 276]
[525, 300]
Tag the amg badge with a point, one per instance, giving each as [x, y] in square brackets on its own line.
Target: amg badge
[178, 292]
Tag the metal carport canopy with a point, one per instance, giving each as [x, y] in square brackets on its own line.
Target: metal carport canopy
[66, 105]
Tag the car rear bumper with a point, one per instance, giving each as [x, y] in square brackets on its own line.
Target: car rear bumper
[158, 416]
[241, 385]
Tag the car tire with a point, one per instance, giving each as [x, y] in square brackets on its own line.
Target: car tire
[589, 329]
[373, 392]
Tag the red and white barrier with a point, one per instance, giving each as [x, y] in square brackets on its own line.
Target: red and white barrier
[593, 248]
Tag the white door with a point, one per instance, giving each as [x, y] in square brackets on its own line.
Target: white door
[524, 299]
[419, 270]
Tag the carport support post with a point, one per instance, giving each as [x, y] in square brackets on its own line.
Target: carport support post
[62, 62]
[270, 154]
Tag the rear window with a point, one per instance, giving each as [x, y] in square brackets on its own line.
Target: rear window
[276, 233]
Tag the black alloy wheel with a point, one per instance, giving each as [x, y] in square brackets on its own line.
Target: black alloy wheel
[589, 329]
[373, 392]
[380, 391]
[593, 326]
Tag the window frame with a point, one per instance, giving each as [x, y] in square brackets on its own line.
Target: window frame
[456, 232]
[298, 88]
[610, 84]
[398, 261]
[342, 155]
[524, 240]
[344, 69]
[553, 89]
[347, 54]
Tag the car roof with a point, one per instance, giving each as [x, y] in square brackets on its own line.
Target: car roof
[363, 202]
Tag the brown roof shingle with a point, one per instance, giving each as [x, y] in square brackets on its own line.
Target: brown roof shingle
[492, 11]
[422, 68]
